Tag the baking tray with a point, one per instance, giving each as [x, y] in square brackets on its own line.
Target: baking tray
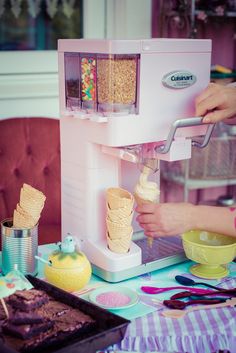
[109, 328]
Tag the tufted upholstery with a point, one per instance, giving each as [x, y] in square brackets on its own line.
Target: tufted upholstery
[30, 153]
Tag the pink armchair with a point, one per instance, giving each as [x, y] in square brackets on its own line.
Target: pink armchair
[30, 153]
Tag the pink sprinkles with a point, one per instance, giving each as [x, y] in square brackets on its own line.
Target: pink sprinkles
[113, 299]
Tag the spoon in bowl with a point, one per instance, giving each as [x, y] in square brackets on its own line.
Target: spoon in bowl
[158, 290]
[49, 263]
[185, 281]
[177, 314]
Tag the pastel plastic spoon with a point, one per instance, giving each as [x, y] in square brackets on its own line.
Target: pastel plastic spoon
[177, 314]
[157, 290]
[185, 281]
[49, 263]
[178, 304]
[187, 294]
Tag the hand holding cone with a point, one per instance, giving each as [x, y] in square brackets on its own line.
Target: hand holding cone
[146, 192]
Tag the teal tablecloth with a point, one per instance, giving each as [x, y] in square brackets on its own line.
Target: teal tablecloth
[203, 331]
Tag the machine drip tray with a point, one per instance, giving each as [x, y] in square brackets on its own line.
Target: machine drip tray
[164, 252]
[160, 249]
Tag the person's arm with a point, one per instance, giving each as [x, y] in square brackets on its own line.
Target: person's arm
[216, 103]
[177, 218]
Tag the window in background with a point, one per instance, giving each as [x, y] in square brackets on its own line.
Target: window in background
[38, 24]
[214, 19]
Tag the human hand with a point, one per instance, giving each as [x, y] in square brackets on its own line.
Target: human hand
[165, 219]
[216, 103]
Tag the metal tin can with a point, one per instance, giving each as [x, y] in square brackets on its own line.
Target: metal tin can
[19, 247]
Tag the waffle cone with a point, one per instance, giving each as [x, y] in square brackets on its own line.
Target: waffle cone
[119, 198]
[21, 220]
[117, 230]
[34, 193]
[125, 221]
[34, 198]
[119, 213]
[24, 213]
[121, 245]
[34, 212]
[32, 204]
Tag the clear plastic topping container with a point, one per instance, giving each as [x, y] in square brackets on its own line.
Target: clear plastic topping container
[104, 83]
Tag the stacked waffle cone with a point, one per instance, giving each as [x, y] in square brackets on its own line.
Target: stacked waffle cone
[29, 208]
[120, 204]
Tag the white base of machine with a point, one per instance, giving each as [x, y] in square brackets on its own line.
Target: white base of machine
[119, 276]
[102, 257]
[165, 251]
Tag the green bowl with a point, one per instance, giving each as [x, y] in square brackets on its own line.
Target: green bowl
[211, 251]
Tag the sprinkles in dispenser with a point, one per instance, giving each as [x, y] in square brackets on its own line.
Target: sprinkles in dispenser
[88, 78]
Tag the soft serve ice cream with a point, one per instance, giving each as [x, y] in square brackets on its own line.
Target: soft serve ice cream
[146, 191]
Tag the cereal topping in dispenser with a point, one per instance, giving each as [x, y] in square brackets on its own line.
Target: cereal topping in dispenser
[117, 79]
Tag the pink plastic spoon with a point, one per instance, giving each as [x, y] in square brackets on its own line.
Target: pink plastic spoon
[157, 290]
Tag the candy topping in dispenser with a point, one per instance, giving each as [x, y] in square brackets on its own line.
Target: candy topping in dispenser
[88, 76]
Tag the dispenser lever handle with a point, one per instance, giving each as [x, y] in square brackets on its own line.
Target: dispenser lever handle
[186, 123]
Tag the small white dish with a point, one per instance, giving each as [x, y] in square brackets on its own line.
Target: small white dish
[114, 297]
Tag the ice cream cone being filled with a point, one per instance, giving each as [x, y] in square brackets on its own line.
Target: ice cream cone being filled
[146, 192]
[140, 201]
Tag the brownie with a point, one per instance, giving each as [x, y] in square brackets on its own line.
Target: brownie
[63, 330]
[50, 323]
[24, 318]
[27, 331]
[53, 309]
[27, 300]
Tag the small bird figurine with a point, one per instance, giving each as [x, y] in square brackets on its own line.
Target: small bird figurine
[68, 245]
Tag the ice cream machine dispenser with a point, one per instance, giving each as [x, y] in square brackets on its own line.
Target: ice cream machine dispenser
[117, 98]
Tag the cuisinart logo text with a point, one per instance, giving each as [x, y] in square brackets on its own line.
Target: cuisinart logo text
[179, 79]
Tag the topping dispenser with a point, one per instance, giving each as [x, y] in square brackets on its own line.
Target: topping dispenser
[122, 101]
